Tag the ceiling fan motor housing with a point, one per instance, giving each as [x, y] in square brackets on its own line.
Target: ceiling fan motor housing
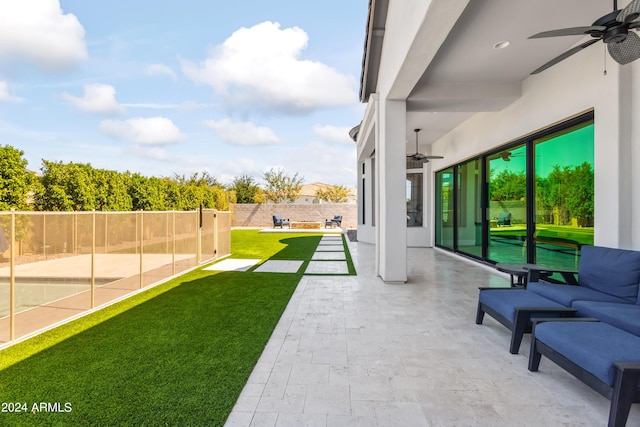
[616, 32]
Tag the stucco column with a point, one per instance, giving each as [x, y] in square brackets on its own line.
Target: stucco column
[391, 238]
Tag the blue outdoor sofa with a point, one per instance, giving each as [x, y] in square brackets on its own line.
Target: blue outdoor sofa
[598, 340]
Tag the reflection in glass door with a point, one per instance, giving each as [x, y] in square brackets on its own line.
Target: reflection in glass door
[507, 212]
[531, 202]
[469, 208]
[564, 195]
[444, 214]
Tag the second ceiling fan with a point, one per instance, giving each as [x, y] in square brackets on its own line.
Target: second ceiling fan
[419, 157]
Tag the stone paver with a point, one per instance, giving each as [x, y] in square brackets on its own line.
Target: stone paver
[329, 256]
[327, 267]
[232, 264]
[278, 266]
[329, 248]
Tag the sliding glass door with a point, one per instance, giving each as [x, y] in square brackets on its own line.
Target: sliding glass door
[564, 195]
[444, 215]
[469, 208]
[507, 196]
[529, 202]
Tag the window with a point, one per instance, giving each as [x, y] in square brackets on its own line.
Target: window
[564, 189]
[414, 199]
[531, 201]
[444, 208]
[469, 207]
[507, 197]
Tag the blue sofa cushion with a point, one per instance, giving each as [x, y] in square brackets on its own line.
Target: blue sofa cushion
[612, 271]
[623, 316]
[567, 294]
[594, 346]
[506, 301]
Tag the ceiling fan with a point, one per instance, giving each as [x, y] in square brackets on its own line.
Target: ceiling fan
[507, 155]
[419, 157]
[612, 28]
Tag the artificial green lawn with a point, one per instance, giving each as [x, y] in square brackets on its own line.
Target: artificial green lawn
[177, 354]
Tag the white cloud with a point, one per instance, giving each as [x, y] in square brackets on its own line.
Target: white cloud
[261, 67]
[38, 32]
[231, 168]
[143, 131]
[321, 162]
[150, 152]
[160, 69]
[184, 106]
[242, 133]
[97, 98]
[333, 133]
[4, 92]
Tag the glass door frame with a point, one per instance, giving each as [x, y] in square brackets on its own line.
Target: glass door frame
[530, 206]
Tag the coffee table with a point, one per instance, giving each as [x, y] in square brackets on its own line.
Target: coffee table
[519, 272]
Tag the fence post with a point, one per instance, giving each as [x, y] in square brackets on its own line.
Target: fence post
[173, 244]
[141, 214]
[215, 234]
[199, 236]
[12, 279]
[93, 258]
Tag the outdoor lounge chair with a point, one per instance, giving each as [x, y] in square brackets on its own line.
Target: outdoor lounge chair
[278, 221]
[514, 308]
[504, 218]
[605, 275]
[336, 221]
[602, 356]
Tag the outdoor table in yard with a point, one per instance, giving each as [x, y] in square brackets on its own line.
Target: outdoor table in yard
[306, 225]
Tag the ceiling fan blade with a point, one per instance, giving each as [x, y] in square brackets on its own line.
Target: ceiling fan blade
[565, 55]
[575, 31]
[434, 157]
[627, 50]
[630, 13]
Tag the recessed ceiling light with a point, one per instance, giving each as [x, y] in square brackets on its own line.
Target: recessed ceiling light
[502, 44]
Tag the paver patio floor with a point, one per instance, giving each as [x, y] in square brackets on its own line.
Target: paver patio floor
[354, 351]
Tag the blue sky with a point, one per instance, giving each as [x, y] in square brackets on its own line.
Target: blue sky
[176, 87]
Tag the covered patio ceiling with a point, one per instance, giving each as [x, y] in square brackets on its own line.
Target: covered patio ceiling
[465, 73]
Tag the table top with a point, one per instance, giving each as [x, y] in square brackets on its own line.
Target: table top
[521, 268]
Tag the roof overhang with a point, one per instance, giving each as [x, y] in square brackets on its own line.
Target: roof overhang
[376, 20]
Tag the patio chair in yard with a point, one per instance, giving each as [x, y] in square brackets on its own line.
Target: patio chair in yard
[336, 221]
[504, 218]
[278, 221]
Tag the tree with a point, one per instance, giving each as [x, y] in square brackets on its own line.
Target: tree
[203, 179]
[247, 190]
[281, 187]
[147, 193]
[333, 194]
[580, 193]
[67, 187]
[16, 182]
[112, 190]
[508, 186]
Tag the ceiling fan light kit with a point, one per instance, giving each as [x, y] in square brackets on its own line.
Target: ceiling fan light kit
[613, 29]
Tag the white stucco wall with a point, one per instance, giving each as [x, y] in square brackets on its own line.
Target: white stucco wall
[565, 90]
[635, 153]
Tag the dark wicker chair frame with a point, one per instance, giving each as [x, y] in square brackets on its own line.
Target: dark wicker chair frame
[622, 394]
